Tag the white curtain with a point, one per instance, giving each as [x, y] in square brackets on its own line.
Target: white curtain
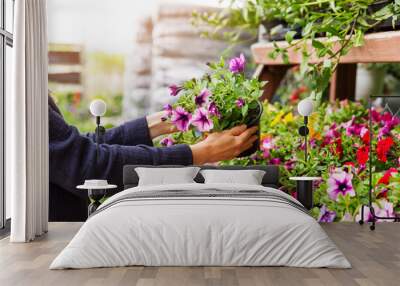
[27, 123]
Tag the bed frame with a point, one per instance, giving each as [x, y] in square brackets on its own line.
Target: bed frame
[270, 179]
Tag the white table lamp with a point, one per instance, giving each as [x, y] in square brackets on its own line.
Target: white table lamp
[305, 108]
[98, 108]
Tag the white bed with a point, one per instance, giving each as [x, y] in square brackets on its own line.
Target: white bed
[246, 225]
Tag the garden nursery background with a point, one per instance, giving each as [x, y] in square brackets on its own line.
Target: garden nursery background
[195, 63]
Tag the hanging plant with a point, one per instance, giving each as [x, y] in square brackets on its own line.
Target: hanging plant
[343, 23]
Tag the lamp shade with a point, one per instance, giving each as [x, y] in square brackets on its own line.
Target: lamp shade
[98, 107]
[306, 107]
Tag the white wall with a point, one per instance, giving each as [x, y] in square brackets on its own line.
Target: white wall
[106, 25]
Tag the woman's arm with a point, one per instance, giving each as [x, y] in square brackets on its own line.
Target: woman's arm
[73, 156]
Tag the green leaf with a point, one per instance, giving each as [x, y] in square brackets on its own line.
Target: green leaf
[317, 44]
[359, 38]
[289, 36]
[245, 110]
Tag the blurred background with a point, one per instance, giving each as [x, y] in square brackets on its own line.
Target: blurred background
[124, 52]
[128, 53]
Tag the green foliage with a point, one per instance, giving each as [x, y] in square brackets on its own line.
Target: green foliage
[226, 88]
[343, 23]
[75, 110]
[334, 148]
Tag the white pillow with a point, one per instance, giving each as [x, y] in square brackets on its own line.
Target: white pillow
[248, 177]
[166, 176]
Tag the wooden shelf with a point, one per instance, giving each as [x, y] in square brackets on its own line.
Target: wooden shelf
[380, 47]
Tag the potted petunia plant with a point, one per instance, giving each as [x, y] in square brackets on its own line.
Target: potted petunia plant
[221, 99]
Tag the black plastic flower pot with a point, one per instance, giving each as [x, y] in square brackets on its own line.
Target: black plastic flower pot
[253, 119]
[385, 25]
[276, 30]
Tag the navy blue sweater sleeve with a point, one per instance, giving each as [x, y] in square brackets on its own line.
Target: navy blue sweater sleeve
[73, 156]
[131, 133]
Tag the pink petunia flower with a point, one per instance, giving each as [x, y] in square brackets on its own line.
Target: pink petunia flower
[347, 217]
[267, 143]
[202, 98]
[240, 102]
[340, 183]
[167, 141]
[237, 65]
[275, 161]
[376, 116]
[167, 110]
[174, 89]
[289, 164]
[326, 215]
[386, 211]
[352, 128]
[213, 110]
[201, 120]
[181, 119]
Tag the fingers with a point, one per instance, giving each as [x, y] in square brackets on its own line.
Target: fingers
[237, 130]
[248, 133]
[249, 143]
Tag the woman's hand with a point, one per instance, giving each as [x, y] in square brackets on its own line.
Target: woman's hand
[157, 126]
[224, 145]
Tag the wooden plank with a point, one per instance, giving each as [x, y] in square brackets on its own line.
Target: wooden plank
[64, 58]
[273, 75]
[343, 83]
[68, 78]
[378, 48]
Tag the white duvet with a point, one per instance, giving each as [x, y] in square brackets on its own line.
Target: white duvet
[200, 231]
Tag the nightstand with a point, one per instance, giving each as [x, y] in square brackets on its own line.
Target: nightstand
[305, 190]
[97, 189]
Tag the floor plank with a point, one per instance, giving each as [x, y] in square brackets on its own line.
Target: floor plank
[375, 257]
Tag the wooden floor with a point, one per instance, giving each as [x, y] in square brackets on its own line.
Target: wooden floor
[375, 257]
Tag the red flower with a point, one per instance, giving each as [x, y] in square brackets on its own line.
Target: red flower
[382, 194]
[362, 155]
[365, 138]
[386, 177]
[338, 147]
[295, 95]
[383, 148]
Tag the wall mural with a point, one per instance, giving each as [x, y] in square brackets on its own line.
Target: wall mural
[339, 143]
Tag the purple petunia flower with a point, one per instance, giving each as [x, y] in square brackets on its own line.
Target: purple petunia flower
[289, 164]
[181, 118]
[386, 210]
[325, 215]
[237, 65]
[174, 89]
[352, 128]
[376, 116]
[240, 102]
[340, 183]
[268, 143]
[275, 161]
[367, 214]
[347, 217]
[167, 141]
[201, 120]
[266, 154]
[213, 110]
[388, 126]
[202, 97]
[168, 110]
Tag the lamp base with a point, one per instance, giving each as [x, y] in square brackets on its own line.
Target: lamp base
[305, 193]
